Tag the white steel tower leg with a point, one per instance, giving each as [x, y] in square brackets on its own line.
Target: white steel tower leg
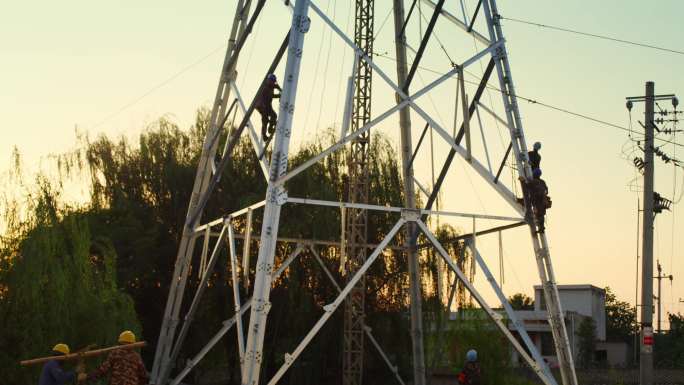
[275, 198]
[541, 369]
[541, 250]
[162, 359]
[410, 202]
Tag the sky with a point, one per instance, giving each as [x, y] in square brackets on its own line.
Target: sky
[112, 68]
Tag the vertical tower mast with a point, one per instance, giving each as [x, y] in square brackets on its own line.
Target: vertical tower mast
[357, 219]
[163, 360]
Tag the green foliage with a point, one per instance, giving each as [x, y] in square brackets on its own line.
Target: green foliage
[474, 330]
[620, 319]
[127, 235]
[521, 301]
[586, 333]
[59, 286]
[669, 351]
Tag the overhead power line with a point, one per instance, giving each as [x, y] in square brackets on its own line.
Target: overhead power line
[159, 85]
[535, 101]
[587, 34]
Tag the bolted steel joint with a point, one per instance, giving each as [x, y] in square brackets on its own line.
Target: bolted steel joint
[303, 23]
[267, 267]
[410, 215]
[263, 308]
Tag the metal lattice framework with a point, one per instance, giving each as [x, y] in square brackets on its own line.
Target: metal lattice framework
[357, 219]
[214, 235]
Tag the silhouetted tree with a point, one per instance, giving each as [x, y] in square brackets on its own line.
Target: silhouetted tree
[521, 301]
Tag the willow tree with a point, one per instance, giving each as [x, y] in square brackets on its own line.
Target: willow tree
[139, 191]
[59, 285]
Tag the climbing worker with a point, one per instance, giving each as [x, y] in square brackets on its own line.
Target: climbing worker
[534, 157]
[53, 373]
[471, 373]
[537, 193]
[123, 366]
[263, 105]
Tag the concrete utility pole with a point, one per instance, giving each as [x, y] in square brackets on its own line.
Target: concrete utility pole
[660, 277]
[653, 204]
[410, 202]
[646, 344]
[646, 366]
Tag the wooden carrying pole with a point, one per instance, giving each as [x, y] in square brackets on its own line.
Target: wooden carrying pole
[89, 353]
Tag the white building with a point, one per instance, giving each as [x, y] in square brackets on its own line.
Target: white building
[578, 302]
[585, 300]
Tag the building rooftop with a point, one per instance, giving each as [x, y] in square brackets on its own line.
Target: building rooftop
[574, 287]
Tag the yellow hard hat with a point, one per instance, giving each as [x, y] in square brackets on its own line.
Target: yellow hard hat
[61, 348]
[126, 337]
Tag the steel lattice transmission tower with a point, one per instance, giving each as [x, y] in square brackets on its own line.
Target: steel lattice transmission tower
[357, 218]
[215, 235]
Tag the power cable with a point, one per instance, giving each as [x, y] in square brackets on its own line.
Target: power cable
[587, 34]
[440, 42]
[383, 23]
[315, 73]
[340, 81]
[158, 86]
[325, 71]
[536, 101]
[252, 43]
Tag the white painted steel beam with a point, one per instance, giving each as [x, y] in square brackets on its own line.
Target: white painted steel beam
[330, 308]
[494, 115]
[519, 147]
[421, 188]
[318, 202]
[196, 299]
[315, 159]
[236, 292]
[541, 369]
[234, 214]
[227, 324]
[275, 197]
[253, 137]
[484, 139]
[458, 23]
[496, 317]
[367, 330]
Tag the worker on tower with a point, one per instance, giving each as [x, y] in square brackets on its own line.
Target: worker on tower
[471, 373]
[534, 157]
[263, 105]
[123, 366]
[537, 194]
[53, 373]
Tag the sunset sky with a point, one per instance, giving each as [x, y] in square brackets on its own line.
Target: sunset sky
[114, 67]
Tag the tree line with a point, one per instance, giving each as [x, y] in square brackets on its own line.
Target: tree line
[80, 273]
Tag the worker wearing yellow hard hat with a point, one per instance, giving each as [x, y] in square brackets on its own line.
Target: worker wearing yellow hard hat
[53, 373]
[129, 368]
[126, 337]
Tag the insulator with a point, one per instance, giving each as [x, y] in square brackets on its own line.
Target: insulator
[639, 163]
[675, 102]
[630, 105]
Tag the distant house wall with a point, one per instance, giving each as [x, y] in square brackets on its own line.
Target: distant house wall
[615, 354]
[587, 300]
